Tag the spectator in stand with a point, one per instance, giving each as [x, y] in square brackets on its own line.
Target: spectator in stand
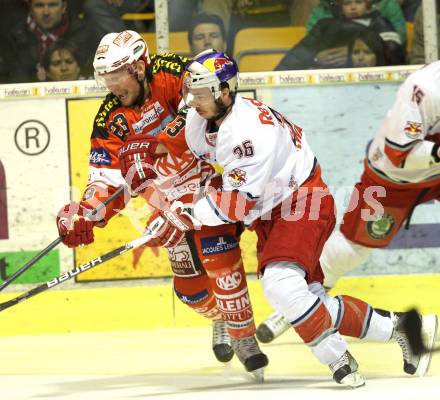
[326, 46]
[105, 16]
[61, 62]
[300, 11]
[4, 70]
[389, 9]
[366, 50]
[181, 13]
[46, 22]
[206, 32]
[239, 14]
[409, 8]
[10, 13]
[417, 55]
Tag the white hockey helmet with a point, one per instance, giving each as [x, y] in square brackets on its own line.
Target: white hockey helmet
[208, 70]
[119, 50]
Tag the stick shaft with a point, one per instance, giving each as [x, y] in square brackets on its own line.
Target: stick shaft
[72, 273]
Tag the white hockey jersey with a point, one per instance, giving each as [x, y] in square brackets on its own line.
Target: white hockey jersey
[264, 157]
[401, 150]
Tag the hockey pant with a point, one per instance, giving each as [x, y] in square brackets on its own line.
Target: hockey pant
[318, 318]
[340, 256]
[209, 277]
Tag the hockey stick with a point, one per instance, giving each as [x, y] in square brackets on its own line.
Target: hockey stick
[152, 230]
[58, 240]
[412, 324]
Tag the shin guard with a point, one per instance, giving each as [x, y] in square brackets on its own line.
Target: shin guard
[220, 256]
[233, 301]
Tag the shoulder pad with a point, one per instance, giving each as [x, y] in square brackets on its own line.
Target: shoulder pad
[110, 103]
[169, 62]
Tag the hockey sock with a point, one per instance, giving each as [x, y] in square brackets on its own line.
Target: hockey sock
[358, 319]
[233, 301]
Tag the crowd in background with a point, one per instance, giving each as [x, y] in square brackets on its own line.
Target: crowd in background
[53, 40]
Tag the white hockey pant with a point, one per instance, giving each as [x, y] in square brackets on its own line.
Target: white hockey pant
[341, 256]
[315, 315]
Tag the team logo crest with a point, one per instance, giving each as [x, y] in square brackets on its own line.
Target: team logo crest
[237, 177]
[293, 183]
[381, 228]
[413, 129]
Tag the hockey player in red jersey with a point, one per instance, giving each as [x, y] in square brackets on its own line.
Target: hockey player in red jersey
[272, 182]
[145, 96]
[401, 171]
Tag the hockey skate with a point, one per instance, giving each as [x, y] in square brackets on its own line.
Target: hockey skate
[414, 364]
[275, 325]
[250, 355]
[345, 371]
[221, 342]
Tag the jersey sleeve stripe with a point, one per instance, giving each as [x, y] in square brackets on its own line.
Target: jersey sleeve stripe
[397, 157]
[249, 196]
[401, 147]
[218, 211]
[235, 205]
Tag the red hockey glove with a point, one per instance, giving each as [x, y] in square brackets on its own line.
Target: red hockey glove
[72, 225]
[136, 159]
[176, 221]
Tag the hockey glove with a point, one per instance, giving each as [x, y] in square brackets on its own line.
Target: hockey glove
[136, 159]
[72, 225]
[176, 222]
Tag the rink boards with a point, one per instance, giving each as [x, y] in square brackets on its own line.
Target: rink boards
[45, 150]
[146, 307]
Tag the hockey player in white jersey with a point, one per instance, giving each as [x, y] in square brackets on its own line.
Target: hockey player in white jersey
[272, 182]
[403, 161]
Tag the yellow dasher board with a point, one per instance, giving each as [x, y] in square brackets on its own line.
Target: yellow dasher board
[129, 224]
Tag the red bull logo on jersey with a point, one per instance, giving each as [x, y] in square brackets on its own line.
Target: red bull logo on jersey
[293, 183]
[413, 129]
[237, 177]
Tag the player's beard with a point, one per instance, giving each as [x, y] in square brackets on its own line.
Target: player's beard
[221, 109]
